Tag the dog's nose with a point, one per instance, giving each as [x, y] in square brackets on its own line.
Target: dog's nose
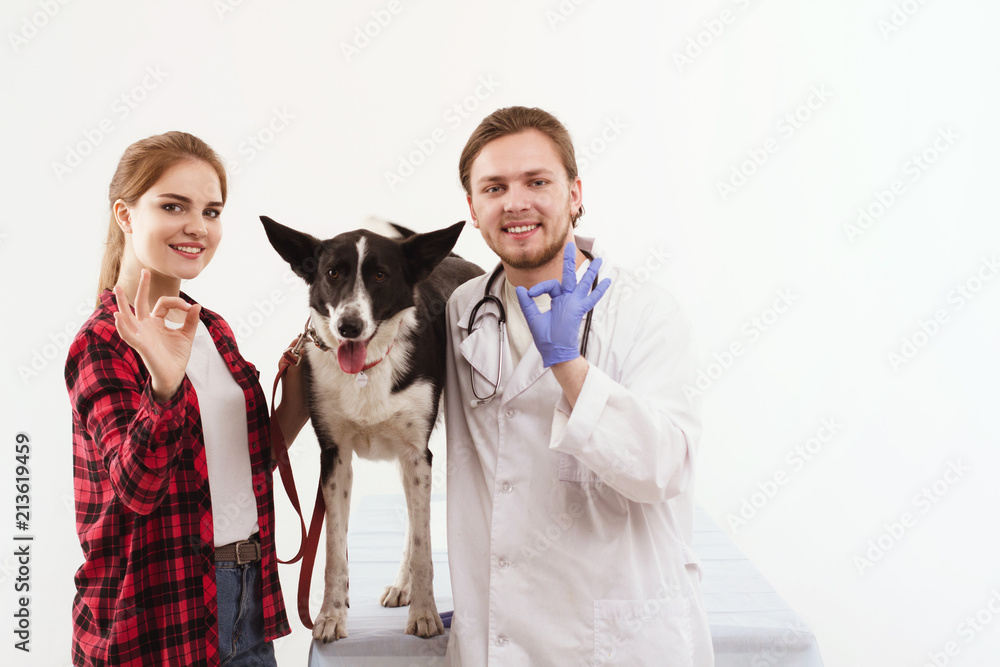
[349, 328]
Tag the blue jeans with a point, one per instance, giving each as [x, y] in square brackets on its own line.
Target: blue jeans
[241, 616]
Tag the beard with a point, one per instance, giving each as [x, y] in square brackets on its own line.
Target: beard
[535, 260]
[545, 254]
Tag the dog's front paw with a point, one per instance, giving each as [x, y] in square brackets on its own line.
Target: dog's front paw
[330, 626]
[394, 596]
[424, 622]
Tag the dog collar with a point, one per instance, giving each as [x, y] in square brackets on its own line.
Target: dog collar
[376, 363]
[362, 378]
[316, 340]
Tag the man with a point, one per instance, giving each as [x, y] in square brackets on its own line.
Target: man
[570, 484]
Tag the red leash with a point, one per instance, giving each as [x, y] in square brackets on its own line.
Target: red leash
[310, 539]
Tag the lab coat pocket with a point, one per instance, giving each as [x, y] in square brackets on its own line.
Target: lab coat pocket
[643, 632]
[571, 470]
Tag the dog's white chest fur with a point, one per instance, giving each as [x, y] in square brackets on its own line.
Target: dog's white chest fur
[371, 420]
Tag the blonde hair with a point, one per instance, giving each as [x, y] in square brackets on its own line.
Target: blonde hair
[141, 165]
[513, 120]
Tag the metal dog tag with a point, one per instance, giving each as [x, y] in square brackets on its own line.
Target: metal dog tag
[362, 380]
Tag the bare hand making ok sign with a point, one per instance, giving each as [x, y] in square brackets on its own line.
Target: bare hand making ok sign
[163, 350]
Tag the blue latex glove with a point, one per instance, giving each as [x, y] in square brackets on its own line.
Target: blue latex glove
[557, 331]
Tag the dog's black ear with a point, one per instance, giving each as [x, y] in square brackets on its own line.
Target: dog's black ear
[425, 251]
[296, 248]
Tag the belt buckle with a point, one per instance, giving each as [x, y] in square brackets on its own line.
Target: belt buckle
[254, 555]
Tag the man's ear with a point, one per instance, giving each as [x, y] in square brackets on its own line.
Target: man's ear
[576, 194]
[296, 248]
[424, 252]
[472, 212]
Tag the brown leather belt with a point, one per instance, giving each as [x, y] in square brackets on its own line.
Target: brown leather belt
[242, 552]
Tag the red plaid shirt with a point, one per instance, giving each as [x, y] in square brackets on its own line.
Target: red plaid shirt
[146, 590]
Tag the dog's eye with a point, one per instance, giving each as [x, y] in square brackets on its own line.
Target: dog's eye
[333, 273]
[380, 276]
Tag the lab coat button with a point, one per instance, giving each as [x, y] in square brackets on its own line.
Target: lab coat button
[507, 487]
[503, 563]
[501, 640]
[510, 413]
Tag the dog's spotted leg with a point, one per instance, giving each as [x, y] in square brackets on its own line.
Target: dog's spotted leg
[336, 474]
[398, 594]
[423, 619]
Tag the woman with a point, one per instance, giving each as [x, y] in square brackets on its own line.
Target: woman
[171, 447]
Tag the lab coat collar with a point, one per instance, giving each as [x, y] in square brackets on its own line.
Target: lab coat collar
[589, 244]
[477, 294]
[481, 347]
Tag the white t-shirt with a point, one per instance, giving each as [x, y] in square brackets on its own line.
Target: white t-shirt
[223, 410]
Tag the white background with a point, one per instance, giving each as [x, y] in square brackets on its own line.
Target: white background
[672, 132]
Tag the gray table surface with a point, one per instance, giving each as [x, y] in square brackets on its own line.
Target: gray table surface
[751, 624]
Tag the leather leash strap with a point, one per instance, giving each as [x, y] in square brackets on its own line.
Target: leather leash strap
[310, 539]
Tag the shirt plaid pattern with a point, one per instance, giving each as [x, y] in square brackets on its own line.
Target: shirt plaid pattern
[146, 590]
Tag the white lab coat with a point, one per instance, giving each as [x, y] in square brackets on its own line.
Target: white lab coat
[569, 530]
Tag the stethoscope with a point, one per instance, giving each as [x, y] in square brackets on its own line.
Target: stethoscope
[502, 325]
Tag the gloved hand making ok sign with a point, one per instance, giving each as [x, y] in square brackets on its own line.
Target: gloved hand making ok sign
[557, 331]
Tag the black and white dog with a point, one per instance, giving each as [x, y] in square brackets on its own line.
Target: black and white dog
[374, 379]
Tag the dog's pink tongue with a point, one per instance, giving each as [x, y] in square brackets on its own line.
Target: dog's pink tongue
[351, 355]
